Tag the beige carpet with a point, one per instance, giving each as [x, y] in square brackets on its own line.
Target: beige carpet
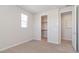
[36, 46]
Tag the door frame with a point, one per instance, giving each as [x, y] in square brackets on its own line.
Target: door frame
[74, 31]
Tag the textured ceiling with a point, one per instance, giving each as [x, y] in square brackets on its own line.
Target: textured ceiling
[39, 8]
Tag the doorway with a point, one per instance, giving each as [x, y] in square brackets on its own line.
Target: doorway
[66, 29]
[44, 28]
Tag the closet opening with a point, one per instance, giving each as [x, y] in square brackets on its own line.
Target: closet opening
[44, 28]
[66, 29]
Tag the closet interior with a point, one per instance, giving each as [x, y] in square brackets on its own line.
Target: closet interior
[44, 28]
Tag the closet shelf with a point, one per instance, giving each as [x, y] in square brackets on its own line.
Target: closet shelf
[44, 29]
[44, 22]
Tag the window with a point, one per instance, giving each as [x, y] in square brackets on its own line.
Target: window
[24, 21]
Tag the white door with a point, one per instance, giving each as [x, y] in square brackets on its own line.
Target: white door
[74, 28]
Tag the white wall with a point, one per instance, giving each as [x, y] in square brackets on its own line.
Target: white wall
[11, 32]
[66, 9]
[37, 27]
[53, 26]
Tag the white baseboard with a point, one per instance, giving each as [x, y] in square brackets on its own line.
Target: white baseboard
[14, 45]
